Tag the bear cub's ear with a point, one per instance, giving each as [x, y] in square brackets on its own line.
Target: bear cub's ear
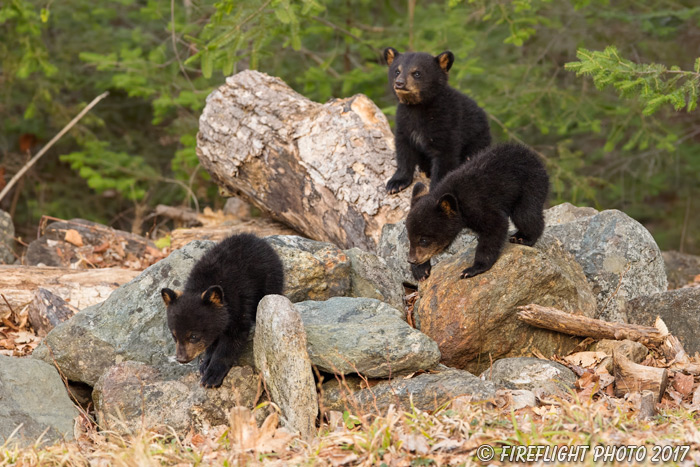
[445, 60]
[214, 295]
[419, 190]
[390, 55]
[169, 296]
[448, 204]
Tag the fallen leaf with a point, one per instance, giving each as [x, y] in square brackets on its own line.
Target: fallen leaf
[683, 383]
[73, 237]
[585, 359]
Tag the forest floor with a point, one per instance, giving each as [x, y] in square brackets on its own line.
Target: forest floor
[588, 425]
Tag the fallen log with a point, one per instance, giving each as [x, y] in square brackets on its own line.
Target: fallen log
[47, 310]
[632, 377]
[262, 227]
[79, 287]
[319, 168]
[578, 325]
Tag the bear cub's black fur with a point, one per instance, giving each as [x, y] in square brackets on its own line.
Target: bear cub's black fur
[507, 180]
[437, 127]
[216, 310]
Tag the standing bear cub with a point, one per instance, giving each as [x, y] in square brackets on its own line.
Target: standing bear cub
[216, 310]
[437, 127]
[507, 180]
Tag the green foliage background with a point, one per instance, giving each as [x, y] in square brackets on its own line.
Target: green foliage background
[605, 90]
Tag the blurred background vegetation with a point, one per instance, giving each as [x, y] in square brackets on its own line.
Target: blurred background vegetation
[617, 125]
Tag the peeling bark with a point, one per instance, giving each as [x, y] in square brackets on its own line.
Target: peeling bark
[319, 168]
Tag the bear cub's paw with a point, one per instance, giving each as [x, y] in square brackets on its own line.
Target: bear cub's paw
[204, 363]
[397, 183]
[521, 239]
[421, 271]
[472, 271]
[214, 375]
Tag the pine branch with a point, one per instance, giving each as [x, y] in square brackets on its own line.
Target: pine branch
[654, 84]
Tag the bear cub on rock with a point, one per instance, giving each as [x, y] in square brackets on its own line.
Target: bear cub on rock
[507, 180]
[437, 127]
[217, 309]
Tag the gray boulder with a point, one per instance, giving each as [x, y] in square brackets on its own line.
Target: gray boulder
[129, 326]
[132, 395]
[33, 398]
[281, 357]
[530, 373]
[7, 239]
[366, 336]
[371, 277]
[679, 309]
[426, 391]
[313, 270]
[613, 249]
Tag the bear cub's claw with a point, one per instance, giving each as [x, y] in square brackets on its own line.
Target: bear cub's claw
[396, 184]
[214, 376]
[520, 239]
[204, 363]
[421, 271]
[472, 271]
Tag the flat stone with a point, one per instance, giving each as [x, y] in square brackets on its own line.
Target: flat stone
[533, 374]
[522, 398]
[366, 336]
[132, 395]
[426, 391]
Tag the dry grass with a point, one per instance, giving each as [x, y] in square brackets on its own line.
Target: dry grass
[450, 436]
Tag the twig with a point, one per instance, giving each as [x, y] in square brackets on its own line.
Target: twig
[177, 53]
[43, 150]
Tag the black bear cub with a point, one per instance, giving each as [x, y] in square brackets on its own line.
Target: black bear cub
[217, 308]
[507, 180]
[437, 127]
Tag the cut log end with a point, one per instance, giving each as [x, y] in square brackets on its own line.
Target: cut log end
[632, 377]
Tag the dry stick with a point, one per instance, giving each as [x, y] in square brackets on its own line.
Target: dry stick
[577, 325]
[43, 150]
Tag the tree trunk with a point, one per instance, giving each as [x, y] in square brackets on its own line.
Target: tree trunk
[79, 287]
[319, 168]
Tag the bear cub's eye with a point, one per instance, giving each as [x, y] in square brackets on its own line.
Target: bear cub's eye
[397, 72]
[194, 338]
[423, 242]
[416, 74]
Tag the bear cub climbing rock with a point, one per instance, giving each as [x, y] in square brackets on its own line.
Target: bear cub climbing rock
[506, 180]
[437, 127]
[216, 310]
